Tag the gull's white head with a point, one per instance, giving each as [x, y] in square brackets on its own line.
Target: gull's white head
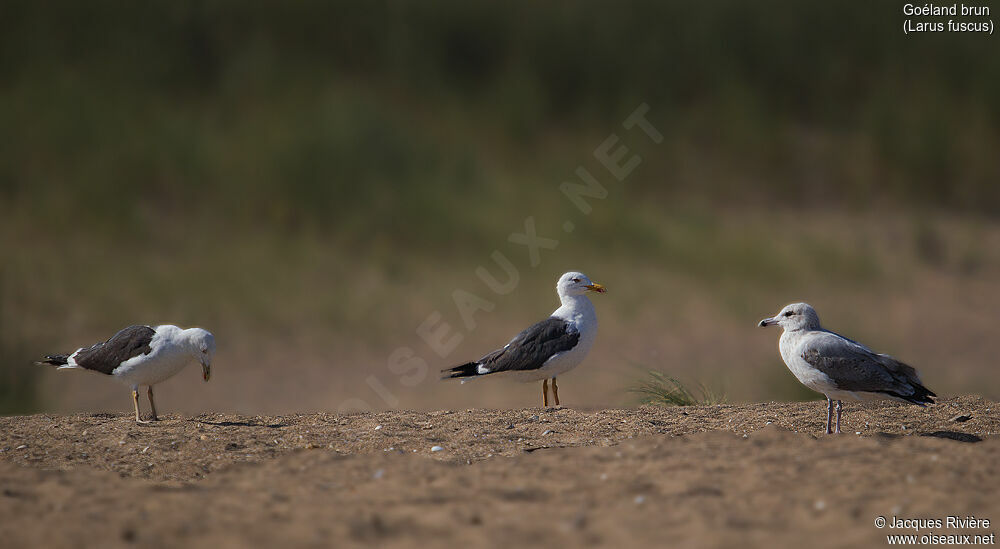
[796, 316]
[576, 283]
[202, 345]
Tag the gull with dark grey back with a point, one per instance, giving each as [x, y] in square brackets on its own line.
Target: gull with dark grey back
[142, 356]
[547, 348]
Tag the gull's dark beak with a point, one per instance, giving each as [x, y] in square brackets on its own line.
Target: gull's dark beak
[767, 322]
[206, 370]
[596, 288]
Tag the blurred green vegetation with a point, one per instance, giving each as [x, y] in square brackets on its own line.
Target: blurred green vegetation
[380, 120]
[258, 150]
[18, 382]
[18, 385]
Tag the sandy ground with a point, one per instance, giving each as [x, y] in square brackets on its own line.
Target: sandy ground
[728, 475]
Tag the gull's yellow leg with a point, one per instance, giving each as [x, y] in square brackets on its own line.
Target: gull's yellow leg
[555, 391]
[135, 401]
[152, 405]
[545, 392]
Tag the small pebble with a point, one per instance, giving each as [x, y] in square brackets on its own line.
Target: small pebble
[378, 474]
[579, 521]
[819, 505]
[639, 500]
[436, 448]
[21, 447]
[377, 427]
[961, 418]
[548, 432]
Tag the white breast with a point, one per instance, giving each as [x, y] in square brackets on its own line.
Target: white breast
[165, 359]
[584, 319]
[790, 345]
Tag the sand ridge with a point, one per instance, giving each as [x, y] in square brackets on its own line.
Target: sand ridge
[752, 474]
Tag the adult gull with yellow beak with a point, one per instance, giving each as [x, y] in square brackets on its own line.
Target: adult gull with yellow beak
[548, 348]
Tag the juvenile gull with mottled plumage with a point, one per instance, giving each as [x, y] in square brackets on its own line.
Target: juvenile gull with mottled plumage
[840, 368]
[143, 356]
[547, 348]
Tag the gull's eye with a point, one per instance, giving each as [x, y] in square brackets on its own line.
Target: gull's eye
[789, 313]
[576, 280]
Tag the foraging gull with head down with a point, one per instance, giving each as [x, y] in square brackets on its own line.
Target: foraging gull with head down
[143, 356]
[840, 368]
[548, 348]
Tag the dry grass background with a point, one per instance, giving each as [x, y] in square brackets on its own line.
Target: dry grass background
[306, 332]
[311, 182]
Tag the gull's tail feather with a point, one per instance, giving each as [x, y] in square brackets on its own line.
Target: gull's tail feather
[469, 369]
[54, 360]
[909, 379]
[920, 396]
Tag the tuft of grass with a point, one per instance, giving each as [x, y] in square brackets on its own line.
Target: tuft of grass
[663, 390]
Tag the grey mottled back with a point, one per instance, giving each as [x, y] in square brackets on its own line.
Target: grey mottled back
[853, 367]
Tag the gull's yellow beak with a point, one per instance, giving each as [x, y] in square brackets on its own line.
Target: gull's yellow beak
[596, 288]
[206, 371]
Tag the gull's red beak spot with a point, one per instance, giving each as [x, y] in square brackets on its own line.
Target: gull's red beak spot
[596, 288]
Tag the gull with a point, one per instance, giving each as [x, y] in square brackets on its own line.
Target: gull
[143, 356]
[840, 368]
[548, 348]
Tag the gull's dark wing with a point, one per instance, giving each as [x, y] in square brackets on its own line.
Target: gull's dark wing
[105, 357]
[529, 350]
